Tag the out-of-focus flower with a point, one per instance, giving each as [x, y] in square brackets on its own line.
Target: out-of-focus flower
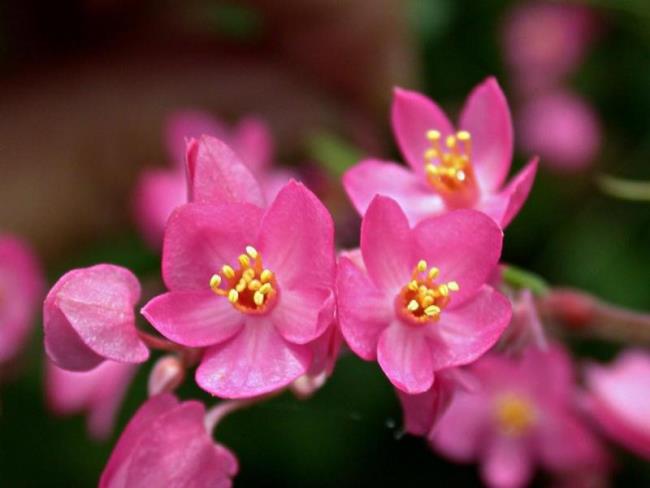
[21, 288]
[97, 393]
[166, 443]
[619, 400]
[562, 128]
[526, 327]
[88, 317]
[521, 417]
[449, 169]
[545, 41]
[160, 191]
[254, 286]
[422, 303]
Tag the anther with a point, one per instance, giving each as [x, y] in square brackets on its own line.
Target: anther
[215, 281]
[422, 265]
[453, 286]
[266, 276]
[413, 306]
[228, 272]
[244, 261]
[233, 296]
[433, 273]
[432, 310]
[258, 298]
[252, 252]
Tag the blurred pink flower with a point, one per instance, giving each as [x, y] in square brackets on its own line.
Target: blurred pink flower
[562, 128]
[525, 328]
[619, 399]
[449, 169]
[545, 41]
[254, 286]
[412, 318]
[160, 191]
[97, 393]
[88, 317]
[166, 443]
[21, 289]
[521, 417]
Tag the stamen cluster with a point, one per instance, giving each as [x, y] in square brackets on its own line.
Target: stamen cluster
[449, 168]
[423, 299]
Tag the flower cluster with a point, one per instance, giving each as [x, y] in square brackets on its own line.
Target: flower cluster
[257, 302]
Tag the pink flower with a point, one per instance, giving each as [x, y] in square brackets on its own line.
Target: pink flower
[521, 417]
[254, 287]
[449, 169]
[166, 444]
[421, 303]
[562, 128]
[88, 317]
[160, 191]
[525, 328]
[545, 41]
[98, 393]
[21, 288]
[619, 400]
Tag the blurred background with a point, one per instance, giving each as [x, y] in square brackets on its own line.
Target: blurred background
[86, 88]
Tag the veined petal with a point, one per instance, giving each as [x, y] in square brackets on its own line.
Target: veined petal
[373, 177]
[487, 118]
[194, 319]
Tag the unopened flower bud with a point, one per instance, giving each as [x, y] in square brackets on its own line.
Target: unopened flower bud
[167, 374]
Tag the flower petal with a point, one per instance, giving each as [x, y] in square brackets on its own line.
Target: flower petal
[422, 411]
[194, 319]
[507, 463]
[404, 354]
[89, 314]
[217, 175]
[184, 125]
[505, 205]
[253, 143]
[466, 332]
[201, 238]
[363, 310]
[412, 116]
[487, 118]
[373, 177]
[386, 245]
[256, 361]
[464, 244]
[302, 314]
[296, 239]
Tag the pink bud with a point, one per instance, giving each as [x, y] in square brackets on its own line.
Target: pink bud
[167, 374]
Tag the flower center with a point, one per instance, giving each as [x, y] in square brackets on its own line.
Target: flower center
[514, 414]
[423, 299]
[449, 169]
[250, 288]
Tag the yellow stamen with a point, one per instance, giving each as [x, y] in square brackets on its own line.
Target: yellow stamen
[514, 414]
[215, 281]
[433, 273]
[254, 285]
[252, 252]
[228, 272]
[233, 296]
[266, 276]
[258, 298]
[265, 288]
[413, 305]
[453, 286]
[244, 261]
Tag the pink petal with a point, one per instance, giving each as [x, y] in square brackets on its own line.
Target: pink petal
[253, 143]
[506, 463]
[256, 361]
[217, 175]
[412, 116]
[325, 350]
[422, 411]
[505, 205]
[88, 315]
[466, 332]
[296, 239]
[22, 285]
[201, 238]
[304, 313]
[273, 181]
[157, 194]
[184, 125]
[372, 177]
[460, 431]
[404, 354]
[549, 373]
[194, 319]
[464, 244]
[386, 245]
[363, 310]
[487, 118]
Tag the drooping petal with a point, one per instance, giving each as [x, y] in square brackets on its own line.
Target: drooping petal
[373, 177]
[183, 125]
[422, 411]
[506, 463]
[487, 118]
[303, 314]
[386, 245]
[88, 316]
[253, 143]
[201, 238]
[412, 116]
[194, 318]
[465, 333]
[464, 244]
[256, 361]
[296, 239]
[363, 310]
[217, 175]
[505, 205]
[404, 354]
